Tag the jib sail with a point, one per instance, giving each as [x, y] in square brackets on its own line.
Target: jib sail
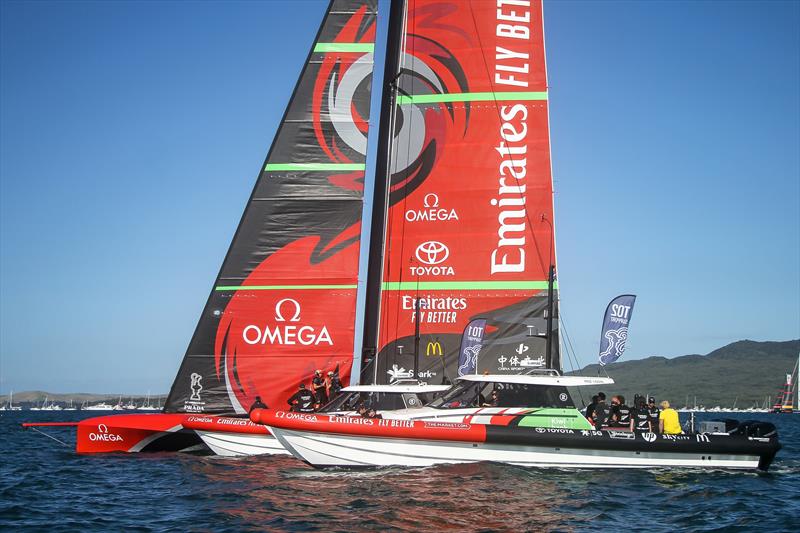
[283, 304]
[469, 227]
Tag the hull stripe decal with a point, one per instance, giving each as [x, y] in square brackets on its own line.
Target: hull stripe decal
[344, 47]
[464, 285]
[470, 97]
[335, 167]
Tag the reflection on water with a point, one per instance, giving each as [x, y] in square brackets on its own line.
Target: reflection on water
[43, 486]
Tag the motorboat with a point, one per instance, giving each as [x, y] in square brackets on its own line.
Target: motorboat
[535, 423]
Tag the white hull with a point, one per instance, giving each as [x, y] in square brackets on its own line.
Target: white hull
[233, 444]
[230, 444]
[326, 449]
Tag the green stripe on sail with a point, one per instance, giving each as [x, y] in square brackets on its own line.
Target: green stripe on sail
[344, 47]
[280, 287]
[277, 167]
[469, 97]
[464, 285]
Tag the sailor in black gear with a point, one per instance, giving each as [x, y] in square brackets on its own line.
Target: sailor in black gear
[590, 407]
[601, 411]
[302, 401]
[258, 404]
[654, 412]
[318, 384]
[620, 413]
[640, 416]
[335, 384]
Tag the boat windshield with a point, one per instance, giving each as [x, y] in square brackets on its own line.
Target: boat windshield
[380, 401]
[471, 394]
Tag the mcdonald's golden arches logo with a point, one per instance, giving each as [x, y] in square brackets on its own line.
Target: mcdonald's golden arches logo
[434, 348]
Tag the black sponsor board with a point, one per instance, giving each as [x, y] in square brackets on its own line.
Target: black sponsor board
[636, 441]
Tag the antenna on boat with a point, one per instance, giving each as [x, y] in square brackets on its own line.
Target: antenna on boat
[416, 330]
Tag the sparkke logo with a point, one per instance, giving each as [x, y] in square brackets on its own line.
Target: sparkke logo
[285, 332]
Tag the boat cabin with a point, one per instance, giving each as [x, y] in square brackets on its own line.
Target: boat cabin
[538, 390]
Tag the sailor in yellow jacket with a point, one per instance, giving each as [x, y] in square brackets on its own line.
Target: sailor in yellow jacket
[668, 420]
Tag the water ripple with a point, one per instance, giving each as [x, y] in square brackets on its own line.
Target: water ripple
[45, 486]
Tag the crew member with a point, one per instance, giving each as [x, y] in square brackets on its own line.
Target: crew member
[371, 413]
[302, 401]
[334, 384]
[258, 404]
[601, 412]
[318, 384]
[640, 416]
[654, 412]
[669, 422]
[590, 407]
[620, 413]
[494, 400]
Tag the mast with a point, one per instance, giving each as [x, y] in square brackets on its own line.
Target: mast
[382, 176]
[550, 362]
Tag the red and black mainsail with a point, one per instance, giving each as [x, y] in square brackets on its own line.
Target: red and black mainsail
[283, 304]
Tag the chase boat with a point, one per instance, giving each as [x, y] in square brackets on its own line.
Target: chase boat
[534, 424]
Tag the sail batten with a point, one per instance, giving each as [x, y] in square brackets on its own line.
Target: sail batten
[471, 97]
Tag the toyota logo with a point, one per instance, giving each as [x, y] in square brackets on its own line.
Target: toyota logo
[432, 252]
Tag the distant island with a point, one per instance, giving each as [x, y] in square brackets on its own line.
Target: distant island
[748, 373]
[745, 373]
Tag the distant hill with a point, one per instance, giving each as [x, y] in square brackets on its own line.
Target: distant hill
[744, 371]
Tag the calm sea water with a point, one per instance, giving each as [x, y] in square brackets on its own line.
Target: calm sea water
[46, 486]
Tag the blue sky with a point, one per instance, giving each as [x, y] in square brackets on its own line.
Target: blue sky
[131, 134]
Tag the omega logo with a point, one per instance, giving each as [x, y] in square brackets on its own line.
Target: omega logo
[279, 316]
[431, 200]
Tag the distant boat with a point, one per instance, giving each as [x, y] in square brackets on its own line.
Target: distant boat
[147, 406]
[787, 401]
[118, 406]
[10, 405]
[102, 406]
[70, 407]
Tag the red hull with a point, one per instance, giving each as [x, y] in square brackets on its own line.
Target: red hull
[134, 433]
[372, 427]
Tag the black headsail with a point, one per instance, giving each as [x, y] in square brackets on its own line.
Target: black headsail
[283, 304]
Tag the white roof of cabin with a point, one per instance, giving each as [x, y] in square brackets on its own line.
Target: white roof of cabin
[397, 389]
[564, 381]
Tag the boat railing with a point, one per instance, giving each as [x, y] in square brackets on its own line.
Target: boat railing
[543, 372]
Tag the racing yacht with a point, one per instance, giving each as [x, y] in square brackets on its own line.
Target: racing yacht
[233, 437]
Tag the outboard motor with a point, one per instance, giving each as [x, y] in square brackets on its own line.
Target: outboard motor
[757, 428]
